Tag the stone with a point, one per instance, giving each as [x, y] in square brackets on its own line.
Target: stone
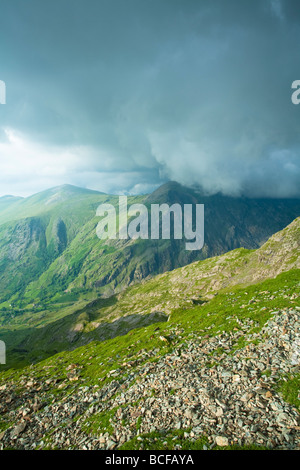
[17, 430]
[189, 413]
[222, 441]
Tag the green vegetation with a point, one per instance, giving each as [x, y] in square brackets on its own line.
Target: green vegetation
[4, 425]
[173, 440]
[96, 360]
[177, 293]
[99, 423]
[289, 388]
[49, 247]
[70, 301]
[221, 314]
[176, 440]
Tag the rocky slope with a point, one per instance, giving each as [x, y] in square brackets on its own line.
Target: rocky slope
[232, 402]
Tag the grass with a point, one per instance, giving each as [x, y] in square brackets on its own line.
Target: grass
[177, 440]
[172, 440]
[244, 309]
[4, 425]
[228, 310]
[222, 314]
[180, 293]
[99, 423]
[289, 388]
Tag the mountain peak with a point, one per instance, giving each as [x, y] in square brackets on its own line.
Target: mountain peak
[70, 188]
[58, 194]
[174, 192]
[9, 197]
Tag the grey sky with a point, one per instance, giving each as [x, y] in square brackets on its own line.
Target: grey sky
[122, 95]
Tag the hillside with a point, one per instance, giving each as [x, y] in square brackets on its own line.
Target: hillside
[205, 356]
[224, 374]
[52, 260]
[156, 298]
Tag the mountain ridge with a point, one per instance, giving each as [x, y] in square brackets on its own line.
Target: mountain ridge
[62, 254]
[195, 284]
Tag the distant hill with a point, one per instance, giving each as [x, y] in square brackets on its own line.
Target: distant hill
[7, 201]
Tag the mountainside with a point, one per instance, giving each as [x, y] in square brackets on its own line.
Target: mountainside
[50, 253]
[153, 300]
[217, 366]
[34, 234]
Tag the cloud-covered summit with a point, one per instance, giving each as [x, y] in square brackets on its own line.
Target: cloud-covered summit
[121, 96]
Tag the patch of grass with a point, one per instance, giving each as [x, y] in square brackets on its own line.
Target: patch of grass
[217, 316]
[289, 387]
[99, 423]
[170, 440]
[4, 425]
[238, 304]
[139, 422]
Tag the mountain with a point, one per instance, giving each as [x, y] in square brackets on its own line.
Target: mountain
[17, 208]
[50, 253]
[156, 299]
[34, 231]
[202, 357]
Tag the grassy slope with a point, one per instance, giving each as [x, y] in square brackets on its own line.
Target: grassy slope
[29, 234]
[229, 310]
[183, 288]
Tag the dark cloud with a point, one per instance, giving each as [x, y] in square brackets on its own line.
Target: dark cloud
[127, 94]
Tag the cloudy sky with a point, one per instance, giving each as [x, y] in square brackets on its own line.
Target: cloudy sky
[123, 95]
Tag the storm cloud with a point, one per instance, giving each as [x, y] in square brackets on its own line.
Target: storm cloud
[121, 96]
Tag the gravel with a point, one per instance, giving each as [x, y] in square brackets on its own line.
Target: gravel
[203, 388]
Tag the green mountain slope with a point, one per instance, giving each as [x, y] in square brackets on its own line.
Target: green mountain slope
[49, 251]
[157, 299]
[221, 375]
[60, 199]
[36, 231]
